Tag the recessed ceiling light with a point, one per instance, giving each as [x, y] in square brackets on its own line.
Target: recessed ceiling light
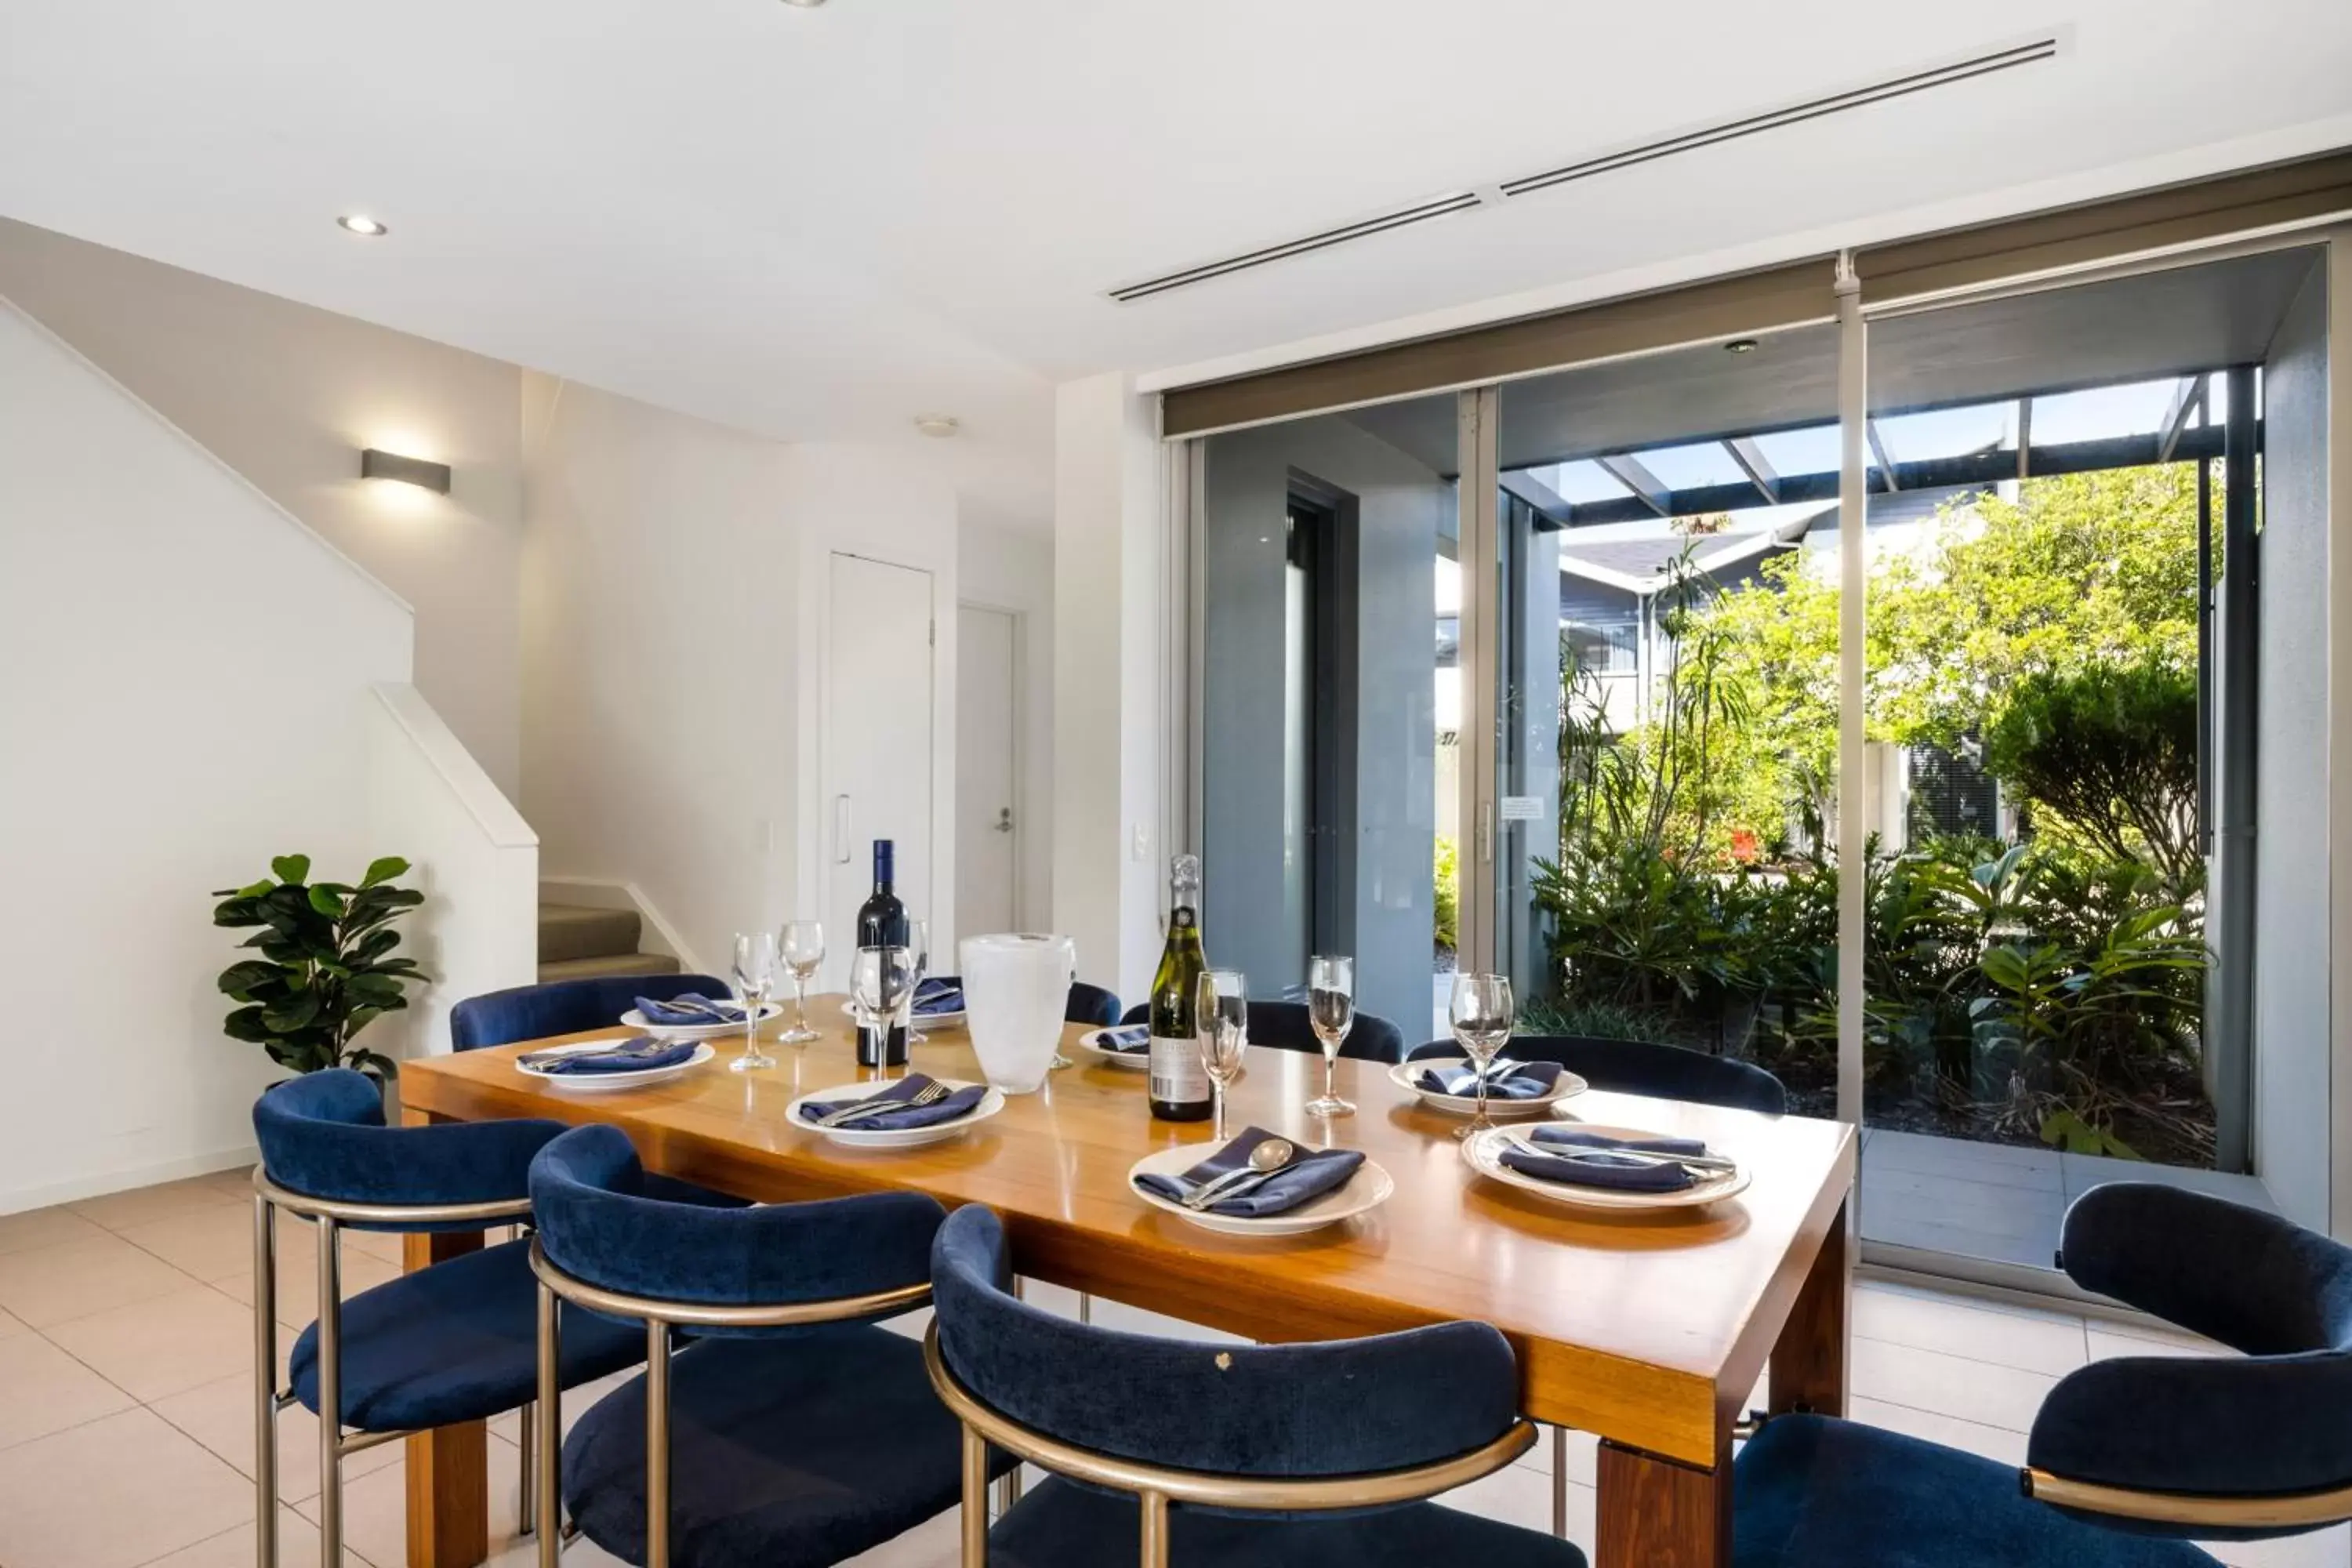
[929, 424]
[360, 224]
[1740, 346]
[805, 5]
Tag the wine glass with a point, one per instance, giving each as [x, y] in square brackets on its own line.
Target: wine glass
[1331, 1009]
[1482, 1015]
[919, 951]
[802, 946]
[880, 981]
[1221, 1017]
[755, 974]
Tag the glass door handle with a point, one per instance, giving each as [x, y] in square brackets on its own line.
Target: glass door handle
[841, 830]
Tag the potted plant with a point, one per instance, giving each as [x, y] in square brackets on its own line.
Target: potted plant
[326, 968]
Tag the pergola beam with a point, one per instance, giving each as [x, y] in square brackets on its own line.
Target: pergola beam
[1878, 450]
[2186, 399]
[1548, 502]
[1750, 457]
[1629, 472]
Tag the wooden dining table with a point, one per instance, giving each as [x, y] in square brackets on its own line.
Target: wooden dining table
[1648, 1328]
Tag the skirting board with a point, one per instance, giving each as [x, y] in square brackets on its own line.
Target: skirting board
[99, 1186]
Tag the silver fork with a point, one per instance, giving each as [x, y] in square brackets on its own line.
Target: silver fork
[929, 1094]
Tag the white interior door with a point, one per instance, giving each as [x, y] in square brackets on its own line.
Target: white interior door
[988, 771]
[875, 742]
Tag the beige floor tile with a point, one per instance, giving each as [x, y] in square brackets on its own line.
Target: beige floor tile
[51, 1284]
[236, 1183]
[163, 1346]
[206, 1243]
[2049, 1343]
[219, 1415]
[298, 1547]
[1994, 1443]
[143, 1206]
[1521, 1496]
[375, 1509]
[1583, 1450]
[44, 1390]
[112, 1493]
[11, 1327]
[1948, 1384]
[45, 1227]
[298, 1281]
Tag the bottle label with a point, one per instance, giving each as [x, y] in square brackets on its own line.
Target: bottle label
[1177, 1075]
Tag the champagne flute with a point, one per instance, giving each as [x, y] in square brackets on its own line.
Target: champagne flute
[1220, 1015]
[880, 981]
[1331, 1009]
[1482, 1015]
[755, 974]
[802, 946]
[919, 951]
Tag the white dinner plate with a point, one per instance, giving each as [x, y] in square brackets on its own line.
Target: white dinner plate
[636, 1020]
[850, 1137]
[1366, 1190]
[1483, 1151]
[1407, 1077]
[600, 1082]
[926, 1022]
[1132, 1061]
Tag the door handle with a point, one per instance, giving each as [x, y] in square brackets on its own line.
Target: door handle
[1004, 820]
[841, 830]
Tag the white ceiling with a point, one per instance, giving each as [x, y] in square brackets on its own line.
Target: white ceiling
[818, 224]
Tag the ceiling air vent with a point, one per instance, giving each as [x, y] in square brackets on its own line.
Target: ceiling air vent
[1794, 114]
[1945, 75]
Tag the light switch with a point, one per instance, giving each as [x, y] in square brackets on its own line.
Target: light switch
[1140, 847]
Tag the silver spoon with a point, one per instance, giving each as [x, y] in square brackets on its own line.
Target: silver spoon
[1271, 1156]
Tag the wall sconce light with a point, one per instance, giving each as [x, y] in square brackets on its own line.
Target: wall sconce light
[381, 465]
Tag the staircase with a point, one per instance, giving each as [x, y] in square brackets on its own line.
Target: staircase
[576, 943]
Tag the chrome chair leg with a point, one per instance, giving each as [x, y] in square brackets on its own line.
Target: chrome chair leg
[265, 1381]
[1155, 1530]
[976, 1499]
[527, 1485]
[656, 1444]
[330, 1394]
[1559, 1482]
[1086, 1307]
[546, 1479]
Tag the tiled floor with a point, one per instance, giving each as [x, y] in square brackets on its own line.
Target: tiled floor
[125, 1421]
[1994, 1202]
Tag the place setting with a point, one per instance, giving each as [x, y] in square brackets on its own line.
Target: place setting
[1127, 1046]
[910, 1111]
[1614, 1168]
[608, 1066]
[1261, 1183]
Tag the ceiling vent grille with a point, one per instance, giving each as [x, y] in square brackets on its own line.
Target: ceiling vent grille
[1945, 75]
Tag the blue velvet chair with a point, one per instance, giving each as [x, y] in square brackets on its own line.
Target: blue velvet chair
[1091, 1006]
[1645, 1066]
[1311, 1456]
[2129, 1459]
[793, 1431]
[564, 1006]
[1284, 1025]
[453, 1342]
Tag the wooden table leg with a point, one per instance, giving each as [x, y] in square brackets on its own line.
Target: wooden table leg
[1657, 1513]
[449, 1466]
[1809, 1361]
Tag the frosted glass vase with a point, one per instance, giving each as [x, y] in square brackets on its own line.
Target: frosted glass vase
[1015, 990]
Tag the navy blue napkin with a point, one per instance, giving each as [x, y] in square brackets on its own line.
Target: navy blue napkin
[1125, 1039]
[1520, 1080]
[1589, 1160]
[680, 1010]
[940, 994]
[643, 1054]
[960, 1103]
[1310, 1173]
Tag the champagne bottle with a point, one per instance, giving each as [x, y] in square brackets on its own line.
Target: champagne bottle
[1180, 1086]
[882, 923]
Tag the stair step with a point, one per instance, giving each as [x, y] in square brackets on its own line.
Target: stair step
[607, 965]
[575, 930]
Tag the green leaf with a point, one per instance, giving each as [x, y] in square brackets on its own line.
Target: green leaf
[240, 979]
[246, 1023]
[323, 899]
[291, 867]
[383, 870]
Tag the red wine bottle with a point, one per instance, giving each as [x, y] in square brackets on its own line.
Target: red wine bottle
[882, 923]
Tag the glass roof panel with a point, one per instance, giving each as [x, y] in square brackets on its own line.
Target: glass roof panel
[1950, 432]
[1581, 482]
[2135, 409]
[1811, 450]
[1690, 468]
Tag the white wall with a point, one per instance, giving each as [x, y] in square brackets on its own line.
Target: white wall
[1007, 571]
[2292, 942]
[288, 396]
[186, 682]
[674, 612]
